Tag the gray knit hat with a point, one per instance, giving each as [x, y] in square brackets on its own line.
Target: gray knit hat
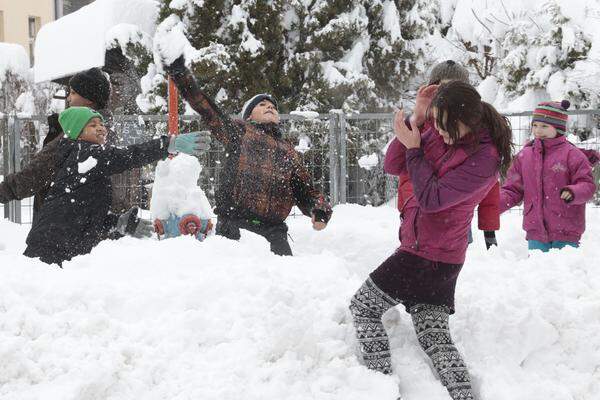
[448, 70]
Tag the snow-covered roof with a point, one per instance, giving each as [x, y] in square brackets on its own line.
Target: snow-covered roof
[77, 41]
[13, 59]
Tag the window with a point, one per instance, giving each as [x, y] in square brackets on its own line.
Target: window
[34, 27]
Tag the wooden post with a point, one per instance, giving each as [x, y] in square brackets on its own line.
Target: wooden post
[173, 109]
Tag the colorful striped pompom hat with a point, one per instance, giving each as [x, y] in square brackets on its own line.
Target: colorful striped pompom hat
[553, 113]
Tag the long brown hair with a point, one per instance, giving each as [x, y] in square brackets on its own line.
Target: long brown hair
[461, 102]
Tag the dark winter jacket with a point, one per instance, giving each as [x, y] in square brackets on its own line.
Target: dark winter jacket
[75, 216]
[263, 175]
[35, 178]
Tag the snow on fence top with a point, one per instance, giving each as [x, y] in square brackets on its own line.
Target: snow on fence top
[13, 59]
[77, 41]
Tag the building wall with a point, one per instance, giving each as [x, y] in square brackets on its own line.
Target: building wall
[15, 24]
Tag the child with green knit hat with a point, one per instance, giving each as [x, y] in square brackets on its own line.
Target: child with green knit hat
[75, 216]
[76, 120]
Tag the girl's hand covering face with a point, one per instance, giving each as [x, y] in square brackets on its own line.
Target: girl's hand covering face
[410, 138]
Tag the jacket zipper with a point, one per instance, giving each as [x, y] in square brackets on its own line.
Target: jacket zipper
[416, 230]
[543, 193]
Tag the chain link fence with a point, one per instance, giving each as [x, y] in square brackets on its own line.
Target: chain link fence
[343, 153]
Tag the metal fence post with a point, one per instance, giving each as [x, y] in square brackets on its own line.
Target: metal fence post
[334, 162]
[342, 140]
[14, 163]
[5, 157]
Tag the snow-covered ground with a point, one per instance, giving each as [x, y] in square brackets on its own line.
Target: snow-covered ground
[180, 319]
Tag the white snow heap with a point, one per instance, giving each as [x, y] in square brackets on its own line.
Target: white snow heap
[176, 191]
[170, 41]
[240, 18]
[305, 114]
[224, 320]
[77, 41]
[123, 35]
[350, 68]
[391, 20]
[368, 162]
[14, 60]
[25, 104]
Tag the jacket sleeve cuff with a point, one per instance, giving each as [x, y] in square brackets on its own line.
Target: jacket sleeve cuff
[414, 152]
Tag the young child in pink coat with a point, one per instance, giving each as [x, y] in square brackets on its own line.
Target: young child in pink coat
[554, 180]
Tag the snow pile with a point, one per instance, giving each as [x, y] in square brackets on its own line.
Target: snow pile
[305, 114]
[13, 60]
[170, 41]
[25, 104]
[304, 144]
[222, 320]
[124, 35]
[368, 162]
[78, 41]
[175, 190]
[239, 20]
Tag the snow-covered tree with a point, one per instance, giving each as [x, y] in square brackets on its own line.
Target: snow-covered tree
[539, 55]
[527, 52]
[320, 55]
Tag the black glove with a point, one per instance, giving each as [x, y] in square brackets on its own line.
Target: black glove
[490, 239]
[322, 210]
[54, 128]
[320, 215]
[176, 67]
[130, 224]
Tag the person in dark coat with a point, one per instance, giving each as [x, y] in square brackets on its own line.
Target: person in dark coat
[264, 176]
[75, 216]
[89, 88]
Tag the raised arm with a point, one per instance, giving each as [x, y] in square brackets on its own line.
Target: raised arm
[224, 129]
[96, 160]
[439, 193]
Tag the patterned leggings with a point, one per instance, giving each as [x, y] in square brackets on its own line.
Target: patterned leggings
[431, 325]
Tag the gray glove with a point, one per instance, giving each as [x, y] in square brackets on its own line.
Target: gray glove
[129, 224]
[193, 143]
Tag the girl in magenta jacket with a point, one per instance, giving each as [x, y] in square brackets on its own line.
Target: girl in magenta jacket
[554, 180]
[452, 166]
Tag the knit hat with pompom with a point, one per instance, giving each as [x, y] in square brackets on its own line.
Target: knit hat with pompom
[553, 113]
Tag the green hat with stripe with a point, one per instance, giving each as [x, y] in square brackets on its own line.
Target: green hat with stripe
[74, 119]
[554, 114]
